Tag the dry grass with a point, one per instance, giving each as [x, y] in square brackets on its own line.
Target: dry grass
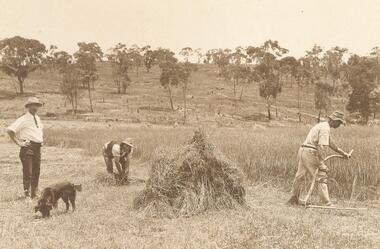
[105, 217]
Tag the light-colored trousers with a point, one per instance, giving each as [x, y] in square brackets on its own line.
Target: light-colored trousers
[308, 162]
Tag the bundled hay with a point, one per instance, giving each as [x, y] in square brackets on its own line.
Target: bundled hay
[188, 180]
[104, 179]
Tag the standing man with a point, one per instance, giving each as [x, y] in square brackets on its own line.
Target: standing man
[27, 133]
[311, 155]
[118, 154]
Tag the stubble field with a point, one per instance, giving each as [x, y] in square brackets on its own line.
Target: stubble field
[105, 217]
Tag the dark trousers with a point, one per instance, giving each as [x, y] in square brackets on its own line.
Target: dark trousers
[123, 172]
[31, 160]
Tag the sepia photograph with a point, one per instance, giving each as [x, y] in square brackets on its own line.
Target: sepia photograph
[189, 124]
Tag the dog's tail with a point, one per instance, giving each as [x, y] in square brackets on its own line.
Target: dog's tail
[77, 187]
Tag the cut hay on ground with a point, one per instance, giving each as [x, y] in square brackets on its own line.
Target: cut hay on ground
[191, 179]
[107, 179]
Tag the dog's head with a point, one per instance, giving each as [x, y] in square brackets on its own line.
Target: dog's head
[45, 203]
[44, 207]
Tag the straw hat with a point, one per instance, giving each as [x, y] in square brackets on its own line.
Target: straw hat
[128, 141]
[33, 101]
[338, 116]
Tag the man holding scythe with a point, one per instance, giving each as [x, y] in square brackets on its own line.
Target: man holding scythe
[311, 155]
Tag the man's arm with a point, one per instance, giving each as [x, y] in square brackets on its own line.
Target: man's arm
[117, 164]
[12, 136]
[322, 151]
[14, 128]
[335, 148]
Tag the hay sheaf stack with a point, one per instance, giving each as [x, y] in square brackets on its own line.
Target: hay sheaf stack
[189, 180]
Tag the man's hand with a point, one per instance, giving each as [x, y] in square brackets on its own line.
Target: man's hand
[23, 143]
[346, 155]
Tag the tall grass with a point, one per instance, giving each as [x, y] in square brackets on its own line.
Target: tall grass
[264, 155]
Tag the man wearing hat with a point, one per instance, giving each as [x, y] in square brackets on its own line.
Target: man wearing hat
[118, 154]
[27, 133]
[311, 155]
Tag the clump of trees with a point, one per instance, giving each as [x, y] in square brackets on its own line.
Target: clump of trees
[361, 75]
[357, 79]
[78, 72]
[220, 57]
[354, 81]
[246, 65]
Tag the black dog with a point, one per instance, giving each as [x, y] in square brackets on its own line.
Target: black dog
[50, 196]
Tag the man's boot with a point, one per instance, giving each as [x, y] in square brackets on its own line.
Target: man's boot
[324, 194]
[33, 193]
[293, 201]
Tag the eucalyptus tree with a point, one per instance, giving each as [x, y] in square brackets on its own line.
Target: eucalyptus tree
[186, 52]
[137, 60]
[333, 64]
[169, 78]
[86, 57]
[121, 64]
[20, 56]
[149, 57]
[220, 57]
[266, 57]
[184, 72]
[199, 54]
[322, 97]
[375, 53]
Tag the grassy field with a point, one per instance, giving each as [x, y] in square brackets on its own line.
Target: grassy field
[105, 217]
[263, 154]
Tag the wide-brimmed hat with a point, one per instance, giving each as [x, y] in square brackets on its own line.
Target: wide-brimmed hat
[128, 141]
[33, 101]
[338, 116]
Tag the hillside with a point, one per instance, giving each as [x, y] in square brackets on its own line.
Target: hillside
[210, 99]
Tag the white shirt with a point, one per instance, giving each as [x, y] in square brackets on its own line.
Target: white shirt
[26, 128]
[115, 149]
[318, 135]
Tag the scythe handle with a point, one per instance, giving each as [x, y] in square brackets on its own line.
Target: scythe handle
[315, 175]
[339, 156]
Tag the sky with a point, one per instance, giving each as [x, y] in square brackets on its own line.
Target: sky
[206, 24]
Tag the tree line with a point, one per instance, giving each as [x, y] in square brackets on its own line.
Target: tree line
[355, 81]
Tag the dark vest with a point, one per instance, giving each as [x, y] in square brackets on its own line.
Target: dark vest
[109, 148]
[109, 151]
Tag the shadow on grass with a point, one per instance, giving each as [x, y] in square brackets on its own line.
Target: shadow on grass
[106, 179]
[9, 95]
[54, 213]
[10, 198]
